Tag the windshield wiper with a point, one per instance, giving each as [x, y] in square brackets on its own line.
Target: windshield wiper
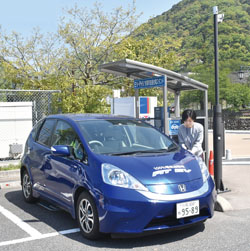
[172, 148]
[141, 151]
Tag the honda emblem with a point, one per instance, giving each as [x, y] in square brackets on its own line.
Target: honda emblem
[182, 188]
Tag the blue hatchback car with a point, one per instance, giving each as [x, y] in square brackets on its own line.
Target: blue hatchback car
[115, 175]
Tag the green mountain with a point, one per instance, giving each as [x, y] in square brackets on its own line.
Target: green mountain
[191, 22]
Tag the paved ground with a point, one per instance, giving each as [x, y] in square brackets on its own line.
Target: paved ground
[237, 179]
[39, 226]
[238, 143]
[36, 228]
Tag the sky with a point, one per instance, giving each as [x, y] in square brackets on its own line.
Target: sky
[23, 15]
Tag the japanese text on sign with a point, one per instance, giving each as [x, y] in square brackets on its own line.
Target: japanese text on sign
[149, 82]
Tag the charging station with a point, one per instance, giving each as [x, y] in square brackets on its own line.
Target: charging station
[150, 76]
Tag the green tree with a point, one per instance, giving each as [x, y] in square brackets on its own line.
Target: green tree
[90, 37]
[157, 51]
[27, 63]
[238, 96]
[69, 60]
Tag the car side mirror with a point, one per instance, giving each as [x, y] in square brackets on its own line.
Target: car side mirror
[60, 150]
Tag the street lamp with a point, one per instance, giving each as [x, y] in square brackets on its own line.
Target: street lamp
[217, 121]
[241, 74]
[243, 70]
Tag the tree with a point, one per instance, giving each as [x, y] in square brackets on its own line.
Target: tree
[238, 96]
[157, 51]
[205, 74]
[69, 60]
[28, 63]
[90, 38]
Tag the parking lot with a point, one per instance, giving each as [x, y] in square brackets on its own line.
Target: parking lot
[30, 226]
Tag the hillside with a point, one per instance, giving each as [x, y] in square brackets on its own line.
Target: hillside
[191, 21]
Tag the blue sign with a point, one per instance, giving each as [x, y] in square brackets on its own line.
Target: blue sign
[174, 125]
[149, 82]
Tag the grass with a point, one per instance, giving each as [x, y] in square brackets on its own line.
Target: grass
[244, 117]
[10, 167]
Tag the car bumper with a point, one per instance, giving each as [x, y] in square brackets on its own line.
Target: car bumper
[128, 211]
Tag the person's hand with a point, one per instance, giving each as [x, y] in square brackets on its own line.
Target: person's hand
[184, 146]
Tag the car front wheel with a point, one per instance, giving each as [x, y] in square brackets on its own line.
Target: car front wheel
[87, 216]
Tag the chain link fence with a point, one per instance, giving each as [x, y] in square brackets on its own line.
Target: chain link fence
[43, 101]
[20, 110]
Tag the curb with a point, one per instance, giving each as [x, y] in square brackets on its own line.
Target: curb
[11, 174]
[10, 184]
[222, 205]
[233, 131]
[10, 179]
[239, 163]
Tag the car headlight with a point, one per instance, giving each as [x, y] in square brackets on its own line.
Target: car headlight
[204, 169]
[114, 176]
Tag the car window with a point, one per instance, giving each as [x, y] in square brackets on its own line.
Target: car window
[45, 132]
[64, 134]
[36, 128]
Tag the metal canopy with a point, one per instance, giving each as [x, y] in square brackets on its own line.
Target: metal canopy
[175, 82]
[138, 70]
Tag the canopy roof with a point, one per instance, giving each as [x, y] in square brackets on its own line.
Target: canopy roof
[138, 70]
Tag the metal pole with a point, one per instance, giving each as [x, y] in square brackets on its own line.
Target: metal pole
[177, 103]
[216, 55]
[137, 103]
[217, 123]
[165, 106]
[206, 125]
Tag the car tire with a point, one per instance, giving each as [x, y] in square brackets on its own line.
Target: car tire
[27, 188]
[87, 216]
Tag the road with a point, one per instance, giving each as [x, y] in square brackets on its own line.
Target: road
[26, 227]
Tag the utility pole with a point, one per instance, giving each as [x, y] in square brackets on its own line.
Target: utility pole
[217, 119]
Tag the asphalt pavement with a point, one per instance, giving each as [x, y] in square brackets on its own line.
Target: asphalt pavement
[27, 227]
[42, 226]
[236, 178]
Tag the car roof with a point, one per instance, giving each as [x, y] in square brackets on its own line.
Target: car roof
[88, 116]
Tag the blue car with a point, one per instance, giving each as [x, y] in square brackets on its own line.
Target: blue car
[115, 174]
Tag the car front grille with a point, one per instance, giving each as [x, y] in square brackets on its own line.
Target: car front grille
[171, 221]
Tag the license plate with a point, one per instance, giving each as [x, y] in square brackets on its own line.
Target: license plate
[187, 209]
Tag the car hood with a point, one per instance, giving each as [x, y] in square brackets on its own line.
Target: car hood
[153, 169]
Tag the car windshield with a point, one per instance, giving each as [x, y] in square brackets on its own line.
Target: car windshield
[124, 137]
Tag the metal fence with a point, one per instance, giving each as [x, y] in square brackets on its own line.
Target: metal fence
[43, 101]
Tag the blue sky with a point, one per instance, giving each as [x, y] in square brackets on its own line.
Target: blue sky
[23, 15]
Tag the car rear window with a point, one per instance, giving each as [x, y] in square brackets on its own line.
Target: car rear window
[36, 128]
[45, 132]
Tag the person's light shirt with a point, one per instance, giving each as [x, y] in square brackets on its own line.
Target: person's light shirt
[191, 138]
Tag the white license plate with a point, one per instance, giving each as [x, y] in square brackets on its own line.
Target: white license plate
[187, 209]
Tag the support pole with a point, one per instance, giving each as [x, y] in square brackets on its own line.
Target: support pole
[137, 103]
[206, 125]
[177, 104]
[165, 106]
[217, 123]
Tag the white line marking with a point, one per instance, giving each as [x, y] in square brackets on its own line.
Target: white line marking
[42, 236]
[23, 225]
